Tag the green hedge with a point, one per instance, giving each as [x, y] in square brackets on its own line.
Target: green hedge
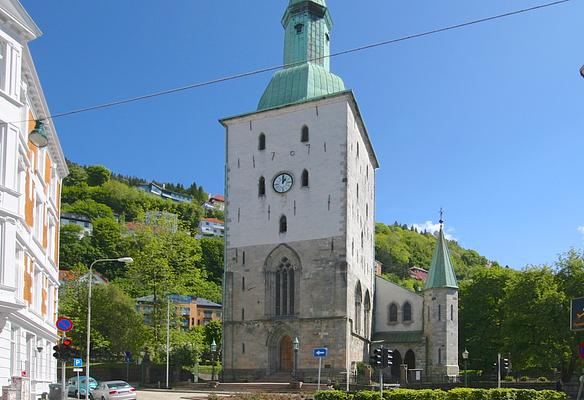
[454, 394]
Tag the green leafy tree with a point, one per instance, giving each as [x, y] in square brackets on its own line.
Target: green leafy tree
[212, 331]
[481, 315]
[115, 326]
[212, 257]
[97, 175]
[89, 208]
[77, 175]
[534, 327]
[74, 248]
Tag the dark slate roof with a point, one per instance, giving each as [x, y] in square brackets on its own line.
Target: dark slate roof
[177, 298]
[399, 337]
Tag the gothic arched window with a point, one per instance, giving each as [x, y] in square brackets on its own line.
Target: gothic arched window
[305, 178]
[305, 134]
[358, 303]
[285, 288]
[407, 313]
[367, 313]
[392, 317]
[283, 224]
[262, 142]
[262, 186]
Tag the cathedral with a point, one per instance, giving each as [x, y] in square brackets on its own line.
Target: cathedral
[299, 234]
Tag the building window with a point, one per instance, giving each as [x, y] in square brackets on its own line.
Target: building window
[305, 134]
[439, 312]
[243, 283]
[243, 314]
[439, 356]
[3, 53]
[367, 313]
[262, 186]
[299, 28]
[243, 348]
[285, 288]
[393, 313]
[407, 314]
[283, 224]
[262, 142]
[452, 312]
[358, 304]
[305, 178]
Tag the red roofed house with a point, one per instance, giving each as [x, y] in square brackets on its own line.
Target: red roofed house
[215, 202]
[211, 227]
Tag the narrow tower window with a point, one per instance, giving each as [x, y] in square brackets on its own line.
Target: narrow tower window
[262, 186]
[299, 28]
[407, 315]
[452, 312]
[305, 178]
[262, 142]
[439, 312]
[305, 134]
[285, 284]
[392, 313]
[283, 224]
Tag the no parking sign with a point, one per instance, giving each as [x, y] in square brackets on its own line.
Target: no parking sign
[64, 324]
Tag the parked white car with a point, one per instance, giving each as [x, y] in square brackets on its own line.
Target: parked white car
[114, 390]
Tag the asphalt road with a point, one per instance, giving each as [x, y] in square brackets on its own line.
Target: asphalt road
[171, 395]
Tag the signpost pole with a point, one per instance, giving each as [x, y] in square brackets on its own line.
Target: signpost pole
[498, 370]
[319, 366]
[581, 387]
[78, 385]
[63, 383]
[381, 382]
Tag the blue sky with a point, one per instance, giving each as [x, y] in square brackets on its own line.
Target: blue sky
[486, 121]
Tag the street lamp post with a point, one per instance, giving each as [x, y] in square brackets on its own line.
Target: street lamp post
[213, 350]
[125, 260]
[465, 357]
[295, 346]
[142, 355]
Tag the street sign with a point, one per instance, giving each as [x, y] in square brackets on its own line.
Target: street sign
[581, 352]
[577, 315]
[320, 352]
[64, 324]
[78, 362]
[77, 369]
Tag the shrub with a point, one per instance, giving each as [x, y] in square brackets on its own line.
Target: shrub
[551, 395]
[459, 394]
[503, 394]
[410, 394]
[526, 394]
[367, 395]
[542, 379]
[524, 378]
[509, 378]
[331, 395]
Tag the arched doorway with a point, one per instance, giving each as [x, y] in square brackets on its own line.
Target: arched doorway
[410, 359]
[286, 358]
[395, 368]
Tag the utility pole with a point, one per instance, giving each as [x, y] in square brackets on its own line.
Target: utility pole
[63, 383]
[167, 342]
[498, 370]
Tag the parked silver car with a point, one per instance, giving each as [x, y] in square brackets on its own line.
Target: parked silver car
[114, 390]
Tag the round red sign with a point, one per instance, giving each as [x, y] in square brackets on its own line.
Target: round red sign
[64, 324]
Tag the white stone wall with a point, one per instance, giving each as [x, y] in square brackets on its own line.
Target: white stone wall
[253, 220]
[387, 293]
[325, 221]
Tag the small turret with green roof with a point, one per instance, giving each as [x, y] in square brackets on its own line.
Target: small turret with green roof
[306, 57]
[441, 274]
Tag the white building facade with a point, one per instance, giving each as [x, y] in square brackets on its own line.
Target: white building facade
[30, 188]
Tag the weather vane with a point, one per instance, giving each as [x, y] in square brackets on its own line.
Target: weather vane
[441, 217]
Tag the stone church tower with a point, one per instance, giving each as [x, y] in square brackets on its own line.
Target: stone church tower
[299, 244]
[441, 314]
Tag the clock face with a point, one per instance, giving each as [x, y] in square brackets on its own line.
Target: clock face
[282, 183]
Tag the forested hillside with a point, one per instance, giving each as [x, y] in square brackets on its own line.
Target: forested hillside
[399, 247]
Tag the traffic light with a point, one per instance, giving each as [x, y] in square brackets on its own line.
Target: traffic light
[67, 351]
[505, 366]
[387, 358]
[375, 359]
[57, 351]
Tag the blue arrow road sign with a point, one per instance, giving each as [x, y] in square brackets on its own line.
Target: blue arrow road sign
[318, 353]
[77, 362]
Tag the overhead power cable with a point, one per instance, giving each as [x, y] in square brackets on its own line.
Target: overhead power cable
[274, 68]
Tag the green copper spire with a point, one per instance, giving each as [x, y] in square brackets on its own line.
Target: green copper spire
[441, 273]
[306, 49]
